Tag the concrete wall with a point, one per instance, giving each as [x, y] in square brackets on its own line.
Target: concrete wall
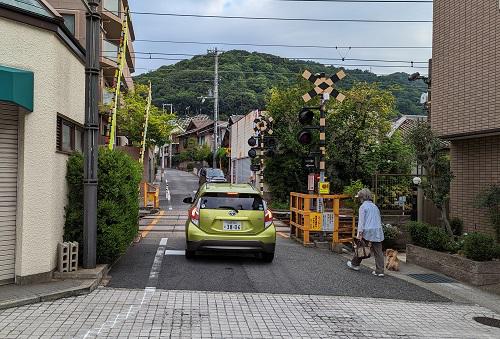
[59, 88]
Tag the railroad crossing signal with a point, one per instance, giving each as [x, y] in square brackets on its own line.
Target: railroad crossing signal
[263, 145]
[323, 85]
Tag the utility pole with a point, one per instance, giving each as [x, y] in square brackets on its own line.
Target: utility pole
[92, 70]
[216, 106]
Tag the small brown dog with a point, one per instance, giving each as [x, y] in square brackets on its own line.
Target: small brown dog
[392, 260]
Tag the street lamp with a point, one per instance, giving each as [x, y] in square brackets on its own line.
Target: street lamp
[417, 208]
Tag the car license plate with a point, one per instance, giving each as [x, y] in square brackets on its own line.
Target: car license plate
[232, 225]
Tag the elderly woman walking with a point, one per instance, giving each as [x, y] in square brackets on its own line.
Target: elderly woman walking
[370, 229]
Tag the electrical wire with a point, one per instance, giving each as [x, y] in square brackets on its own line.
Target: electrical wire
[284, 58]
[241, 17]
[367, 1]
[276, 45]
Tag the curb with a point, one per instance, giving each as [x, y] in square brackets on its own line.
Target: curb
[86, 287]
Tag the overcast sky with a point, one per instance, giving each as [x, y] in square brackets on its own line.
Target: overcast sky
[281, 32]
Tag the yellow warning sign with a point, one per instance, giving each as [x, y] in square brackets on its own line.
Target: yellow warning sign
[316, 221]
[324, 188]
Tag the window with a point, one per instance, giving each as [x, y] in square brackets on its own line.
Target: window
[69, 135]
[112, 6]
[110, 50]
[69, 22]
[238, 201]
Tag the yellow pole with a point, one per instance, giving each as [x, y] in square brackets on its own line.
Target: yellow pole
[118, 76]
[146, 121]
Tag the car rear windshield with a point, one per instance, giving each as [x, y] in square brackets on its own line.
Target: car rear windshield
[214, 172]
[239, 201]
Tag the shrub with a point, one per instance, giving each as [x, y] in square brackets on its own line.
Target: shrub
[419, 232]
[457, 226]
[352, 190]
[190, 167]
[391, 235]
[437, 239]
[489, 199]
[480, 247]
[118, 204]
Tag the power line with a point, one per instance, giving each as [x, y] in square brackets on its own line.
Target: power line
[339, 65]
[278, 45]
[285, 57]
[367, 1]
[241, 17]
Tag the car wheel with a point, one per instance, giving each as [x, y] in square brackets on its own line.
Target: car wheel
[190, 254]
[267, 257]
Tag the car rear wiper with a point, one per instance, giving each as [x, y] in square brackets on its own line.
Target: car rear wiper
[229, 208]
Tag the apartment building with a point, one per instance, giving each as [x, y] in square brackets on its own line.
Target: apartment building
[113, 15]
[466, 99]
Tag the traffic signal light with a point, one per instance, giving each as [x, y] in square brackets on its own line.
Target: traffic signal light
[252, 153]
[253, 141]
[306, 117]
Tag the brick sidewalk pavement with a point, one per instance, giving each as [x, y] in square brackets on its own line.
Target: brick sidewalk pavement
[150, 313]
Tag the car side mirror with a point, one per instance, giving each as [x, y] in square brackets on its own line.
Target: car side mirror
[188, 200]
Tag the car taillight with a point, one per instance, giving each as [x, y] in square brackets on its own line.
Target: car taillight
[194, 214]
[268, 218]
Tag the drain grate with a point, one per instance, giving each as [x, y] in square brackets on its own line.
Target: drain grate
[488, 321]
[431, 278]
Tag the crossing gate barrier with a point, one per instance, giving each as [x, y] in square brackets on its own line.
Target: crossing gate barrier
[336, 220]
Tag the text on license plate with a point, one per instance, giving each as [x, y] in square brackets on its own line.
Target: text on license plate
[232, 226]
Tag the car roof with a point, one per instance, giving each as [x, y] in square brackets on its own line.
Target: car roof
[228, 187]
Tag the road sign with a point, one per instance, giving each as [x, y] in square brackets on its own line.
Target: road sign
[255, 167]
[316, 221]
[310, 182]
[324, 188]
[310, 163]
[323, 85]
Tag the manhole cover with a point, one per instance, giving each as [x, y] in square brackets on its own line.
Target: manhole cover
[431, 278]
[488, 321]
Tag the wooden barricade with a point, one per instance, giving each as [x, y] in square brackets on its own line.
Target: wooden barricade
[336, 221]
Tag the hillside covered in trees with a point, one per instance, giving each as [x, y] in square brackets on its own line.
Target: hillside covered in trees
[246, 78]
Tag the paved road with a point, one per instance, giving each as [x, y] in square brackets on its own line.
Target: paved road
[295, 270]
[311, 294]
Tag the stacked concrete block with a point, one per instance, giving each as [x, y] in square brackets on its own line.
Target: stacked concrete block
[73, 256]
[63, 255]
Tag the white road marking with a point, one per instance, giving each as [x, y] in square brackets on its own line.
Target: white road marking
[146, 297]
[175, 252]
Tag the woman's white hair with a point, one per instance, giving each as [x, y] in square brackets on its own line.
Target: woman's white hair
[365, 194]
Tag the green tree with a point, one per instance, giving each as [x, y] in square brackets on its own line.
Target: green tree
[356, 129]
[131, 114]
[432, 155]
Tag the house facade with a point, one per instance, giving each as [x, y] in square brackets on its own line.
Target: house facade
[465, 107]
[42, 111]
[113, 14]
[241, 130]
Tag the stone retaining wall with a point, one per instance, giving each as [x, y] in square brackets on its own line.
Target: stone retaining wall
[460, 268]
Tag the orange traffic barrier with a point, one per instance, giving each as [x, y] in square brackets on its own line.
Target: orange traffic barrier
[336, 219]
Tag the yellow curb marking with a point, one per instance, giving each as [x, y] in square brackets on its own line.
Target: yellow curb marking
[152, 224]
[284, 235]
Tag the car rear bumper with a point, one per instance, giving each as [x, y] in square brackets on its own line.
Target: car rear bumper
[197, 240]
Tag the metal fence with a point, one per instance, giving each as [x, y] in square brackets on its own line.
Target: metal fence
[396, 195]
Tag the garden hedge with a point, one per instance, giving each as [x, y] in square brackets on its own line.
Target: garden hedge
[118, 203]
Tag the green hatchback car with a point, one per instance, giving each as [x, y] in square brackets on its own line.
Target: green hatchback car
[229, 217]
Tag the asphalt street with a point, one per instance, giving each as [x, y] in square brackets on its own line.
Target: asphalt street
[295, 270]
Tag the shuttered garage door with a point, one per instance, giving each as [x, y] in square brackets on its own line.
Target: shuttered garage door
[8, 189]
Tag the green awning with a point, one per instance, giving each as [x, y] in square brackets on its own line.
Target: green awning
[16, 86]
